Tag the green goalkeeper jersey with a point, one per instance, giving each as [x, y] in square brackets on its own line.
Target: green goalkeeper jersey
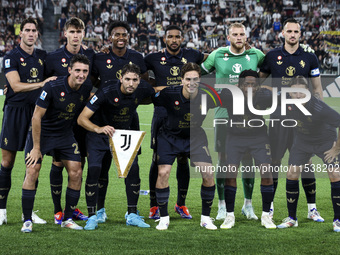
[228, 67]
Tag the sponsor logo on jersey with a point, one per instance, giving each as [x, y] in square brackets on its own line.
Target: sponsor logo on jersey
[237, 68]
[290, 70]
[43, 95]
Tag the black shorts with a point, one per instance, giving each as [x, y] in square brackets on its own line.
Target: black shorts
[302, 151]
[15, 125]
[97, 146]
[199, 151]
[281, 138]
[159, 116]
[171, 147]
[80, 136]
[258, 147]
[61, 148]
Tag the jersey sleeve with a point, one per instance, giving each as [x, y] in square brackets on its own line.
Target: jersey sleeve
[160, 98]
[45, 97]
[48, 67]
[209, 64]
[265, 67]
[148, 62]
[260, 57]
[96, 101]
[10, 64]
[314, 66]
[141, 63]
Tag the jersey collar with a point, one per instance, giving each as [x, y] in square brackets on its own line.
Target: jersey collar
[125, 56]
[25, 54]
[69, 54]
[168, 55]
[286, 53]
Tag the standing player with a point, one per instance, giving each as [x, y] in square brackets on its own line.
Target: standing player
[56, 110]
[315, 134]
[108, 66]
[283, 63]
[166, 66]
[182, 134]
[57, 64]
[243, 138]
[24, 70]
[113, 106]
[229, 62]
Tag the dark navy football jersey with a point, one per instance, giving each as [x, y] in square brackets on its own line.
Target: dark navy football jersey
[284, 66]
[63, 106]
[320, 126]
[114, 108]
[109, 66]
[167, 68]
[30, 69]
[261, 101]
[182, 114]
[57, 62]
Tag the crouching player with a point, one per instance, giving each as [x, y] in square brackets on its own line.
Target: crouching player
[181, 134]
[56, 110]
[243, 137]
[315, 134]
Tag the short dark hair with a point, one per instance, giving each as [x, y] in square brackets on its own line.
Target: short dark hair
[190, 67]
[246, 73]
[290, 20]
[29, 20]
[130, 68]
[80, 58]
[173, 27]
[74, 22]
[299, 80]
[115, 24]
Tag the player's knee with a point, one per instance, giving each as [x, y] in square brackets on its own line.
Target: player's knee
[75, 174]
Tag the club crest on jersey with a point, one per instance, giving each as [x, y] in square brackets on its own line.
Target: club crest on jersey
[302, 63]
[226, 57]
[64, 64]
[163, 61]
[41, 62]
[109, 66]
[184, 61]
[290, 71]
[23, 63]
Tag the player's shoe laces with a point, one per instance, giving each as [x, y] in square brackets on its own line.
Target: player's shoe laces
[101, 216]
[78, 215]
[315, 215]
[69, 223]
[163, 223]
[267, 222]
[58, 218]
[207, 222]
[154, 213]
[229, 222]
[3, 216]
[135, 220]
[27, 227]
[183, 211]
[248, 211]
[221, 213]
[91, 223]
[35, 218]
[288, 222]
[336, 225]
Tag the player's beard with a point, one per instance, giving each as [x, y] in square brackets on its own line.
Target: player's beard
[169, 48]
[238, 46]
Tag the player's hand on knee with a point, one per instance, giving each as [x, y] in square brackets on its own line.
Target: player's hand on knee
[331, 154]
[107, 130]
[33, 157]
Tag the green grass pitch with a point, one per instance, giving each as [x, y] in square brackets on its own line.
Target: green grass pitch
[183, 236]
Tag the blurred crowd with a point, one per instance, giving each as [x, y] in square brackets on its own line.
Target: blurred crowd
[204, 22]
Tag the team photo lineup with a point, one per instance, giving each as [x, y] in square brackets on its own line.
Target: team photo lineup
[68, 103]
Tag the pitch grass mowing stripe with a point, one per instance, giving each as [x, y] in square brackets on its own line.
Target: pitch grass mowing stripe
[183, 236]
